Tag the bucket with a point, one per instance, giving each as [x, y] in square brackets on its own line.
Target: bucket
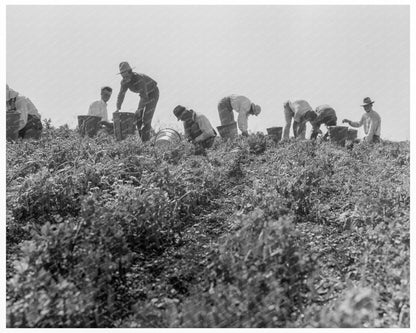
[352, 134]
[275, 133]
[88, 125]
[124, 124]
[338, 134]
[228, 131]
[167, 137]
[12, 125]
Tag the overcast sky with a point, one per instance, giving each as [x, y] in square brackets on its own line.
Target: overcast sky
[60, 56]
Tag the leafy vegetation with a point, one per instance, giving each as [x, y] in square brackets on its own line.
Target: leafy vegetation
[252, 233]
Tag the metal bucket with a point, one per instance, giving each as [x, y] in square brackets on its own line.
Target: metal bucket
[228, 131]
[12, 125]
[124, 124]
[167, 137]
[352, 134]
[338, 134]
[275, 133]
[88, 125]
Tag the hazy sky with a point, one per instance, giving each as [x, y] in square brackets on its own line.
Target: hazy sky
[60, 56]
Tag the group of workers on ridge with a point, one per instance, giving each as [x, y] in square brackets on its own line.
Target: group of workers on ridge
[197, 127]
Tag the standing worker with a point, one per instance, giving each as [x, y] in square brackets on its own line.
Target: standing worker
[148, 91]
[371, 121]
[240, 104]
[30, 125]
[297, 111]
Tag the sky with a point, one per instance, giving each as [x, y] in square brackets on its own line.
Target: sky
[60, 57]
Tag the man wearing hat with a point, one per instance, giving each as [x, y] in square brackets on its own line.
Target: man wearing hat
[301, 112]
[30, 125]
[198, 129]
[148, 91]
[240, 104]
[371, 121]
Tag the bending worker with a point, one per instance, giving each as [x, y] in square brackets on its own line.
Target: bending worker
[240, 104]
[148, 91]
[297, 111]
[324, 114]
[198, 129]
[30, 125]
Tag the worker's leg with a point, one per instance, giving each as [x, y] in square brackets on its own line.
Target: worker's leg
[148, 113]
[288, 117]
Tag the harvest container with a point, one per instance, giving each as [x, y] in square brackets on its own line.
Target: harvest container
[275, 133]
[228, 131]
[12, 125]
[338, 134]
[167, 137]
[124, 124]
[88, 125]
[352, 134]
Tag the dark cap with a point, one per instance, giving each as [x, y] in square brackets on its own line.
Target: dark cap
[178, 111]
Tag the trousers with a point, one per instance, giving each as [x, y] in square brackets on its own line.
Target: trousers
[145, 113]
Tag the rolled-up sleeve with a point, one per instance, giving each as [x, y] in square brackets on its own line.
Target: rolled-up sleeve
[358, 123]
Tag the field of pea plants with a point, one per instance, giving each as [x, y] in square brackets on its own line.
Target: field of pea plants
[294, 234]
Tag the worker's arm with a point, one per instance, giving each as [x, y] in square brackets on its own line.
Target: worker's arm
[121, 94]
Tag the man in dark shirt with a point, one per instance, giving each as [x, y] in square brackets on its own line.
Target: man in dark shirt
[148, 91]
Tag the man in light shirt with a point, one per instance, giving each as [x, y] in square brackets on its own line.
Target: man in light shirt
[30, 125]
[99, 108]
[198, 128]
[370, 120]
[299, 111]
[240, 104]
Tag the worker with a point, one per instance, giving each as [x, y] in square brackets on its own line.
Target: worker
[371, 121]
[243, 106]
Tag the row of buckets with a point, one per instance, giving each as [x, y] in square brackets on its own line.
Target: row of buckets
[124, 125]
[337, 134]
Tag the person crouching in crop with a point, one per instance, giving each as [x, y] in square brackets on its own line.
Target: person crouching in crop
[30, 125]
[324, 114]
[297, 111]
[198, 129]
[99, 109]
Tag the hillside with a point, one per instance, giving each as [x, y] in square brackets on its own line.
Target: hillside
[254, 234]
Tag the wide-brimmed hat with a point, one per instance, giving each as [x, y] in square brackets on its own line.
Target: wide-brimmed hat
[367, 101]
[256, 109]
[124, 67]
[178, 111]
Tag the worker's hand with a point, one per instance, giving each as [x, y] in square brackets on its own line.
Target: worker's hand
[346, 121]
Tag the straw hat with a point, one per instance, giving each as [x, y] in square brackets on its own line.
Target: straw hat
[367, 101]
[124, 67]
